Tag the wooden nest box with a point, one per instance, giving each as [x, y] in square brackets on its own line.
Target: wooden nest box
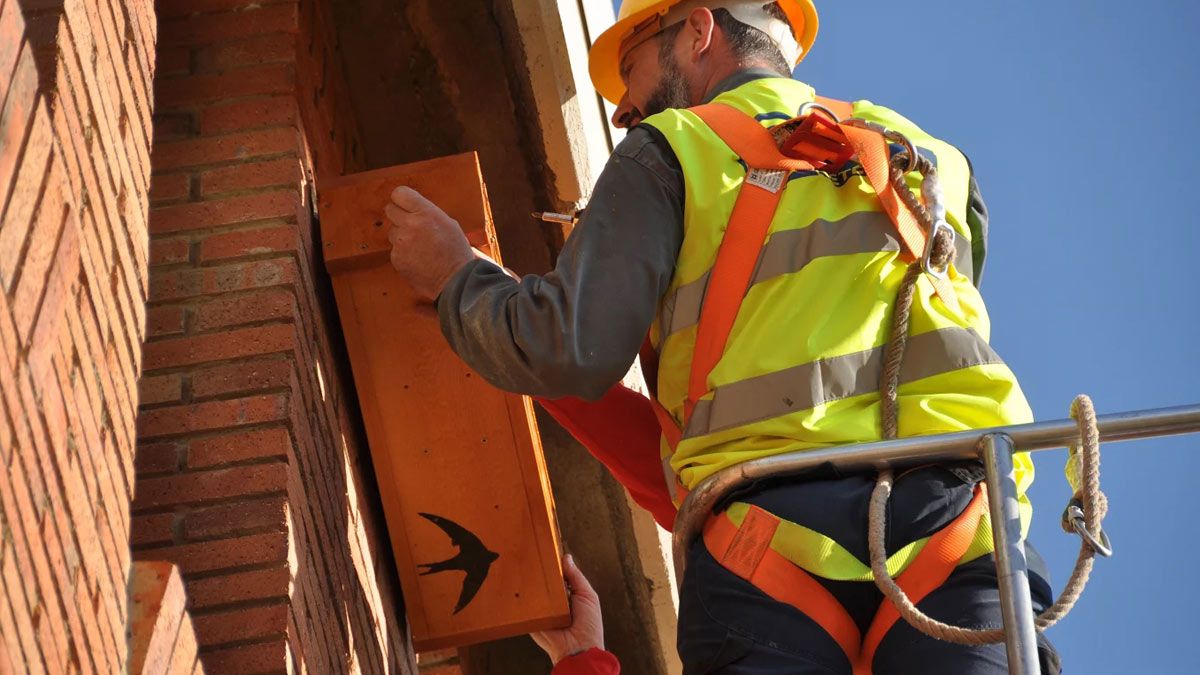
[458, 463]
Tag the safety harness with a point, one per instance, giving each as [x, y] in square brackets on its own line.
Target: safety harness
[827, 142]
[814, 142]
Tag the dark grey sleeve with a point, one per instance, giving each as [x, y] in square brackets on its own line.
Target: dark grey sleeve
[977, 222]
[576, 330]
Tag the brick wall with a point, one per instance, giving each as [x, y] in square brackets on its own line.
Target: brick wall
[74, 169]
[250, 470]
[162, 639]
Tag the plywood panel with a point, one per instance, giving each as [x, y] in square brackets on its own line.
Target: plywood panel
[458, 463]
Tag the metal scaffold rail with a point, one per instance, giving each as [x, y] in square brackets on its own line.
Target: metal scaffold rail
[994, 447]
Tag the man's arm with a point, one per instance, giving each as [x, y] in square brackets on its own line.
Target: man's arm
[576, 330]
[977, 222]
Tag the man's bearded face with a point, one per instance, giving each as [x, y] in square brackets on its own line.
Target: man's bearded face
[672, 89]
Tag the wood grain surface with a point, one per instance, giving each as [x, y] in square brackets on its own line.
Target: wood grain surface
[458, 462]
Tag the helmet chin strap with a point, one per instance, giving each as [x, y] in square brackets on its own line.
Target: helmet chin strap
[750, 12]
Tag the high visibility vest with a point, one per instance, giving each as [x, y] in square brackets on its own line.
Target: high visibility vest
[802, 363]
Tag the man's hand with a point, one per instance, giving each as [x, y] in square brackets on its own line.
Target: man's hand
[586, 629]
[428, 246]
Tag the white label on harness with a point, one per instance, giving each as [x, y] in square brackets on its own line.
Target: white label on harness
[769, 180]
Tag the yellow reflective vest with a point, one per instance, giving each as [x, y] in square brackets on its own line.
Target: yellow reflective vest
[802, 364]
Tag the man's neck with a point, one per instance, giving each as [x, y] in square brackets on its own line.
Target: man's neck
[734, 77]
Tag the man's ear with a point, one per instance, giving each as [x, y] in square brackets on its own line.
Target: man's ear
[698, 29]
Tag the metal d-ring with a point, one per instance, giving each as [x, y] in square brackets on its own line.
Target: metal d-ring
[804, 109]
[1079, 525]
[900, 138]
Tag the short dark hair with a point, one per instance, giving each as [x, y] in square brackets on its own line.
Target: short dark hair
[750, 43]
[747, 42]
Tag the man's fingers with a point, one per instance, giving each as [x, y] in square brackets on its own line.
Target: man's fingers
[575, 579]
[395, 214]
[410, 200]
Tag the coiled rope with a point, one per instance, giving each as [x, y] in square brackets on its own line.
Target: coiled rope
[1087, 452]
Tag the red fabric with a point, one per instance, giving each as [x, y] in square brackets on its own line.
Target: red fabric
[622, 432]
[592, 662]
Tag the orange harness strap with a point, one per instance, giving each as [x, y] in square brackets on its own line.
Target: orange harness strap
[751, 219]
[933, 566]
[746, 551]
[843, 109]
[744, 237]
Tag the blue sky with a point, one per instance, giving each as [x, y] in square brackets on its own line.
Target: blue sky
[1076, 116]
[1079, 117]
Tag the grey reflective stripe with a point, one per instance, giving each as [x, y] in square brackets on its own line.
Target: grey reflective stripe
[962, 257]
[823, 381]
[790, 250]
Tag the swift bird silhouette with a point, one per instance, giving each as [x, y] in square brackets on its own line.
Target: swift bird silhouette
[473, 558]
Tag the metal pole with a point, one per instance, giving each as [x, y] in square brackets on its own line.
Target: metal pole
[913, 451]
[1016, 603]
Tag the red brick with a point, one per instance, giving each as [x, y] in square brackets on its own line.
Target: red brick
[25, 635]
[170, 126]
[181, 8]
[242, 377]
[19, 104]
[212, 415]
[171, 60]
[43, 241]
[241, 624]
[253, 307]
[239, 146]
[164, 320]
[59, 287]
[160, 389]
[241, 517]
[169, 251]
[152, 530]
[276, 111]
[202, 486]
[169, 187]
[12, 29]
[186, 283]
[184, 657]
[277, 48]
[157, 457]
[242, 243]
[255, 585]
[264, 80]
[158, 605]
[225, 27]
[9, 348]
[25, 188]
[217, 347]
[246, 445]
[283, 171]
[208, 556]
[249, 659]
[221, 212]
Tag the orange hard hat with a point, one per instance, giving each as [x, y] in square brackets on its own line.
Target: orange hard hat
[646, 17]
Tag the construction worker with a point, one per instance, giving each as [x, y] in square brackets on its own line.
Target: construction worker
[798, 365]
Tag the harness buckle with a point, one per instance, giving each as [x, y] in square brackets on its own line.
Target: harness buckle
[926, 257]
[818, 140]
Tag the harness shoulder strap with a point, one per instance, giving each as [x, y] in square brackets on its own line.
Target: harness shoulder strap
[757, 201]
[843, 109]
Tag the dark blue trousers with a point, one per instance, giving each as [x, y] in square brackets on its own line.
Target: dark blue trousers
[729, 627]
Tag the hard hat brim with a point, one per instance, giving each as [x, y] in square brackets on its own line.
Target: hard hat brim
[604, 63]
